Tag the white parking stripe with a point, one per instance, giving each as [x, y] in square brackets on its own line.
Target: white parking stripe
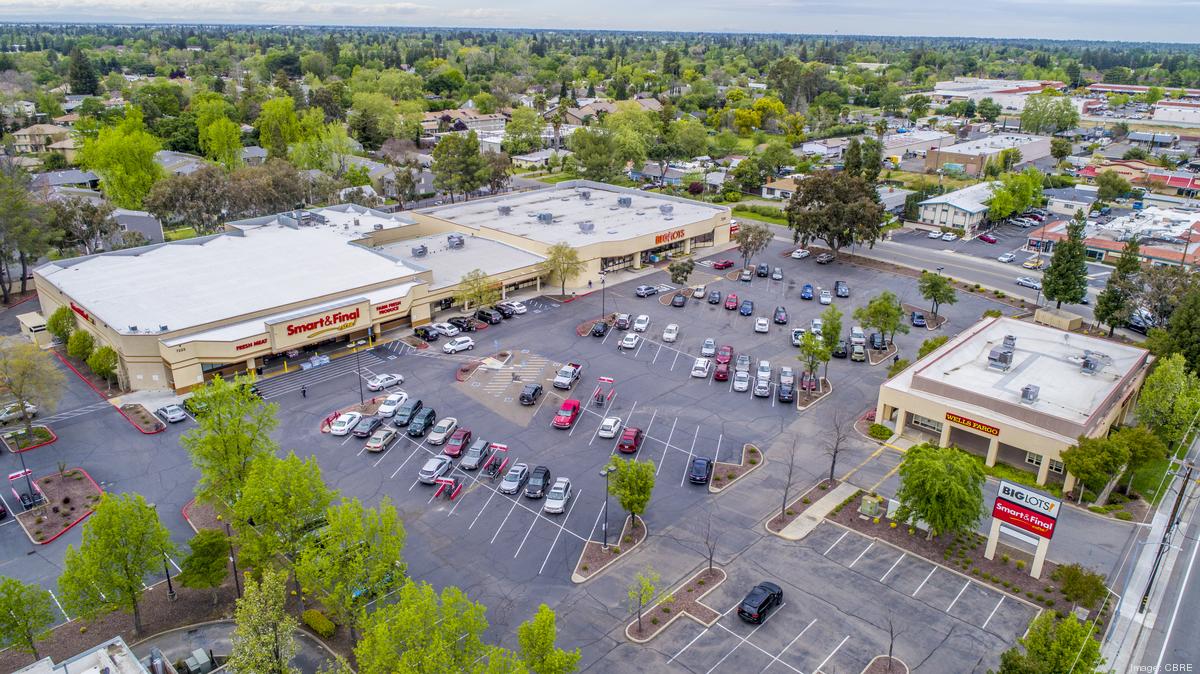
[924, 581]
[839, 540]
[860, 555]
[789, 645]
[505, 521]
[667, 448]
[689, 645]
[688, 465]
[628, 419]
[830, 656]
[673, 360]
[59, 605]
[960, 593]
[655, 359]
[893, 568]
[717, 453]
[483, 509]
[746, 639]
[993, 613]
[563, 525]
[410, 456]
[527, 532]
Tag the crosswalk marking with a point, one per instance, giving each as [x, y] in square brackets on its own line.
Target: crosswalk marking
[77, 412]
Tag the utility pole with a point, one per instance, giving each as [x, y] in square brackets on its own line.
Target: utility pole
[1165, 544]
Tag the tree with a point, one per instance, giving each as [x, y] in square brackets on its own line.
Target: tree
[775, 157]
[61, 323]
[918, 105]
[1060, 148]
[1053, 646]
[233, 431]
[831, 330]
[941, 486]
[1143, 447]
[883, 313]
[937, 289]
[752, 238]
[1162, 289]
[1015, 193]
[852, 158]
[26, 614]
[689, 136]
[642, 590]
[207, 564]
[1111, 185]
[812, 353]
[1115, 304]
[537, 637]
[1045, 113]
[122, 542]
[596, 154]
[103, 362]
[680, 270]
[498, 171]
[632, 484]
[278, 126]
[83, 225]
[749, 176]
[1080, 586]
[523, 133]
[1183, 331]
[1066, 278]
[80, 345]
[282, 502]
[836, 434]
[837, 208]
[225, 143]
[29, 376]
[457, 164]
[23, 231]
[123, 157]
[81, 74]
[1094, 461]
[872, 159]
[476, 289]
[563, 264]
[988, 109]
[1169, 399]
[264, 638]
[930, 345]
[360, 559]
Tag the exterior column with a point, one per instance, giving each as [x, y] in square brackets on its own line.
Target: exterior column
[687, 246]
[251, 367]
[1044, 470]
[1068, 482]
[992, 452]
[539, 283]
[899, 421]
[637, 260]
[944, 438]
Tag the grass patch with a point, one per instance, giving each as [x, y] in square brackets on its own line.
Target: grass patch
[1149, 480]
[179, 233]
[761, 213]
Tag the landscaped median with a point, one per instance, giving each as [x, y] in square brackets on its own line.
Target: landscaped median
[725, 474]
[596, 558]
[687, 600]
[800, 504]
[17, 440]
[70, 496]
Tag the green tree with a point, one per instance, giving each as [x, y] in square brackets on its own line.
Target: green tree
[207, 564]
[457, 164]
[1169, 399]
[1080, 586]
[596, 154]
[225, 143]
[81, 74]
[539, 652]
[680, 270]
[233, 431]
[123, 157]
[29, 375]
[61, 323]
[80, 345]
[930, 345]
[942, 486]
[988, 109]
[872, 159]
[563, 264]
[278, 126]
[749, 175]
[1115, 304]
[523, 133]
[1045, 113]
[360, 559]
[1053, 646]
[122, 542]
[831, 330]
[83, 226]
[476, 289]
[1143, 446]
[813, 352]
[1066, 278]
[776, 156]
[641, 591]
[325, 150]
[751, 239]
[1111, 185]
[1060, 148]
[1094, 461]
[264, 639]
[282, 503]
[27, 612]
[498, 171]
[689, 136]
[918, 106]
[883, 313]
[1015, 193]
[852, 158]
[632, 484]
[1183, 331]
[937, 289]
[837, 208]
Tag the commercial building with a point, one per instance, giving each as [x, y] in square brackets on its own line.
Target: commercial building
[915, 142]
[971, 157]
[1015, 392]
[964, 210]
[1165, 236]
[1009, 94]
[272, 290]
[1065, 201]
[1136, 89]
[1187, 112]
[110, 657]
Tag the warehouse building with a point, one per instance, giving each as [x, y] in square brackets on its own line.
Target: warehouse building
[970, 157]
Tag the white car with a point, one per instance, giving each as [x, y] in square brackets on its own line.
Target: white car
[629, 341]
[382, 381]
[12, 412]
[699, 293]
[390, 404]
[1007, 257]
[345, 423]
[458, 344]
[949, 236]
[701, 367]
[445, 329]
[1029, 283]
[709, 348]
[800, 254]
[857, 335]
[764, 370]
[741, 382]
[442, 431]
[609, 427]
[670, 333]
[435, 468]
[797, 336]
[816, 326]
[516, 306]
[826, 297]
[934, 235]
[641, 323]
[558, 496]
[170, 413]
[762, 388]
[761, 324]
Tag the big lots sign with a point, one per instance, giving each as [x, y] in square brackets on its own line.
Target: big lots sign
[333, 319]
[1026, 509]
[668, 237]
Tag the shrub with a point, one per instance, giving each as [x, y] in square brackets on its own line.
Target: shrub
[790, 512]
[806, 500]
[654, 621]
[892, 525]
[879, 432]
[1123, 516]
[103, 362]
[615, 550]
[1020, 565]
[584, 567]
[753, 462]
[318, 623]
[80, 344]
[61, 323]
[822, 486]
[1004, 559]
[700, 582]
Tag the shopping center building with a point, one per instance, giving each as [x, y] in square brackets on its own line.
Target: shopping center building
[274, 289]
[1015, 392]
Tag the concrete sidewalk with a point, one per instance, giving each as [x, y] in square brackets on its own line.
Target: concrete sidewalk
[178, 644]
[812, 516]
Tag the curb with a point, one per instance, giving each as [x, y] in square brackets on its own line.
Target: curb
[676, 616]
[903, 664]
[184, 511]
[53, 438]
[102, 396]
[18, 303]
[824, 395]
[72, 524]
[580, 579]
[827, 491]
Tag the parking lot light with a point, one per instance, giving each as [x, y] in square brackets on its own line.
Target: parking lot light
[608, 470]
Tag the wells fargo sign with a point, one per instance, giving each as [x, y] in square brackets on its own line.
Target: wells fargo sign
[389, 307]
[334, 320]
[668, 237]
[971, 423]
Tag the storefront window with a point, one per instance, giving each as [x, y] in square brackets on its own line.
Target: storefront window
[925, 422]
[608, 264]
[661, 252]
[702, 241]
[1036, 460]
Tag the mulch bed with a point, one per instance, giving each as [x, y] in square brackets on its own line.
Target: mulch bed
[143, 418]
[931, 322]
[595, 558]
[876, 357]
[807, 399]
[685, 601]
[202, 516]
[101, 385]
[18, 441]
[69, 499]
[800, 504]
[585, 328]
[725, 474]
[962, 554]
[465, 370]
[414, 341]
[883, 664]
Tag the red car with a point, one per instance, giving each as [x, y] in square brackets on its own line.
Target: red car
[724, 355]
[987, 238]
[722, 264]
[458, 442]
[731, 301]
[567, 414]
[721, 373]
[630, 440]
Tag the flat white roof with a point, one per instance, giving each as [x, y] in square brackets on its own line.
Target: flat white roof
[449, 265]
[571, 213]
[910, 137]
[261, 265]
[992, 144]
[972, 199]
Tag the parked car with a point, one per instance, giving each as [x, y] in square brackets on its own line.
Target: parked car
[762, 388]
[764, 370]
[722, 264]
[567, 414]
[504, 311]
[698, 293]
[701, 367]
[763, 270]
[670, 333]
[641, 323]
[514, 479]
[442, 431]
[780, 316]
[714, 297]
[1033, 263]
[679, 300]
[731, 301]
[475, 456]
[599, 329]
[709, 348]
[390, 404]
[857, 336]
[1007, 257]
[808, 381]
[746, 276]
[345, 423]
[918, 319]
[530, 394]
[797, 336]
[987, 238]
[623, 322]
[645, 291]
[721, 372]
[366, 426]
[806, 293]
[445, 329]
[700, 470]
[785, 393]
[539, 482]
[489, 316]
[631, 440]
[629, 341]
[776, 274]
[516, 306]
[858, 353]
[746, 308]
[815, 326]
[421, 422]
[826, 297]
[841, 350]
[407, 409]
[759, 602]
[949, 236]
[458, 344]
[800, 254]
[841, 289]
[877, 341]
[1029, 282]
[434, 468]
[463, 323]
[724, 355]
[761, 324]
[609, 427]
[741, 381]
[825, 258]
[458, 443]
[934, 235]
[169, 413]
[426, 333]
[382, 381]
[381, 439]
[558, 496]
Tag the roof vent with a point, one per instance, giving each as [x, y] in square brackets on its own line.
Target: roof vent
[666, 209]
[585, 194]
[565, 199]
[162, 328]
[1090, 365]
[420, 251]
[545, 217]
[1010, 342]
[455, 240]
[640, 213]
[133, 328]
[668, 217]
[1029, 393]
[625, 201]
[356, 223]
[378, 226]
[504, 210]
[587, 226]
[1000, 358]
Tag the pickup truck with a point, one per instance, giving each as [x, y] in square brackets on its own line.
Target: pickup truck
[567, 375]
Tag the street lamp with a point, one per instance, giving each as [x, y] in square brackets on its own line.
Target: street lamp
[166, 570]
[608, 470]
[603, 277]
[237, 583]
[939, 270]
[358, 366]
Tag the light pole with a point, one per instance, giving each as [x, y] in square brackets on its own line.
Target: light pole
[608, 470]
[237, 583]
[939, 270]
[33, 495]
[166, 569]
[603, 277]
[358, 366]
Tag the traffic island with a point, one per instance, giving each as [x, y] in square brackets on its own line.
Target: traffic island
[142, 418]
[585, 328]
[368, 408]
[69, 498]
[877, 357]
[807, 400]
[799, 505]
[686, 600]
[886, 664]
[725, 474]
[595, 558]
[17, 440]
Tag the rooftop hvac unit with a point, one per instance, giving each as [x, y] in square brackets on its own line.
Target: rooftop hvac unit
[1029, 393]
[162, 328]
[1000, 358]
[545, 217]
[356, 223]
[666, 209]
[625, 201]
[1090, 365]
[1010, 342]
[504, 210]
[455, 240]
[668, 217]
[378, 226]
[640, 213]
[419, 251]
[133, 328]
[587, 226]
[585, 195]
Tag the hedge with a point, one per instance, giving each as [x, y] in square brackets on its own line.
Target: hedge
[318, 623]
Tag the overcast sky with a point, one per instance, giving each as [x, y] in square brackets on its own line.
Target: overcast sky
[1133, 20]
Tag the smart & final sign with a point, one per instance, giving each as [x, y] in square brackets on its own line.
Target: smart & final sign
[82, 313]
[331, 321]
[971, 423]
[1023, 518]
[668, 237]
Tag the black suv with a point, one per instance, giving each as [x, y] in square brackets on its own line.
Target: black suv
[762, 599]
[786, 393]
[427, 334]
[407, 411]
[489, 316]
[841, 289]
[421, 422]
[714, 297]
[700, 471]
[530, 394]
[463, 323]
[504, 311]
[841, 350]
[599, 329]
[763, 271]
[539, 482]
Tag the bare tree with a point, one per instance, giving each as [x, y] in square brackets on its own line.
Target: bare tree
[838, 431]
[710, 540]
[893, 634]
[787, 484]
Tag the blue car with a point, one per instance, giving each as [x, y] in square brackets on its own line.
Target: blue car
[918, 319]
[807, 292]
[747, 308]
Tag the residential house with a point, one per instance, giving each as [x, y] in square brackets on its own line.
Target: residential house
[253, 155]
[964, 210]
[539, 159]
[652, 172]
[893, 198]
[383, 176]
[68, 147]
[1066, 201]
[66, 178]
[592, 111]
[781, 188]
[178, 163]
[127, 220]
[68, 119]
[462, 119]
[715, 180]
[1152, 139]
[39, 137]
